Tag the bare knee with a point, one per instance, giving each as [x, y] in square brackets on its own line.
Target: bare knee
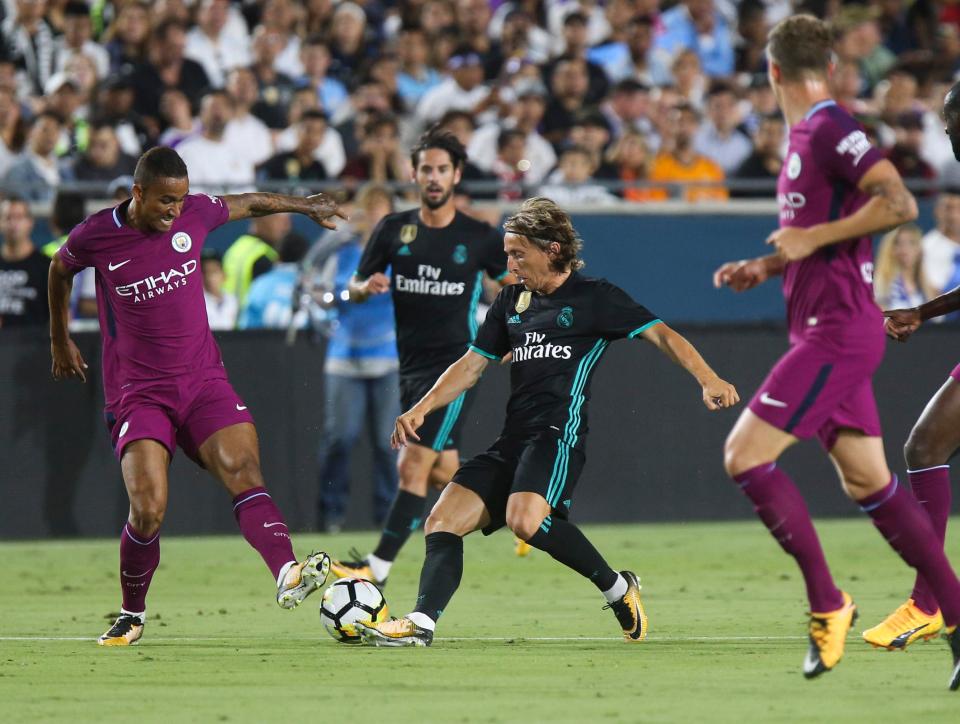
[240, 470]
[920, 451]
[737, 458]
[413, 473]
[444, 520]
[146, 514]
[524, 523]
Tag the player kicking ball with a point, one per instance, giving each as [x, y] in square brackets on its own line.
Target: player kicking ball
[933, 440]
[834, 190]
[557, 325]
[163, 376]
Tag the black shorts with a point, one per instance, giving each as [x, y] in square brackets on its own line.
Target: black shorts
[541, 463]
[441, 428]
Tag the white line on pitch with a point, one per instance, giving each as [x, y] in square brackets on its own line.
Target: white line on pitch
[444, 638]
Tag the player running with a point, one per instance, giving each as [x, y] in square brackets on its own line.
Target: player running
[933, 440]
[835, 189]
[163, 376]
[438, 256]
[557, 324]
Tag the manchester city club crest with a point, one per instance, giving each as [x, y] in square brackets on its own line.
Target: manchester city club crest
[793, 166]
[460, 254]
[523, 303]
[408, 232]
[181, 242]
[565, 318]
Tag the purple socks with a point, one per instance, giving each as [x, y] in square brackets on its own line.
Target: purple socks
[264, 528]
[782, 509]
[139, 558]
[931, 488]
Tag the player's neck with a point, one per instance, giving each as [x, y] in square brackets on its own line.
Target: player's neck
[553, 282]
[438, 218]
[796, 99]
[133, 217]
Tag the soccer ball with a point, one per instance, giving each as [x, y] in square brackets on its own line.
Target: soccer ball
[347, 601]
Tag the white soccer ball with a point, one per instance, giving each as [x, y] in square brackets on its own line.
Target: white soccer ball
[348, 601]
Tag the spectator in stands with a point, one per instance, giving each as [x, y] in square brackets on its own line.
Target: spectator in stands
[175, 115]
[23, 269]
[253, 254]
[315, 58]
[751, 41]
[906, 151]
[77, 39]
[348, 46]
[569, 88]
[569, 185]
[858, 41]
[631, 157]
[575, 46]
[280, 18]
[385, 69]
[765, 160]
[209, 44]
[301, 163]
[275, 90]
[635, 58]
[35, 173]
[246, 133]
[82, 70]
[416, 77]
[222, 307]
[591, 131]
[681, 163]
[941, 245]
[212, 162]
[472, 23]
[368, 99]
[165, 68]
[31, 42]
[520, 37]
[61, 97]
[897, 35]
[115, 99]
[848, 84]
[269, 303]
[690, 82]
[381, 158]
[103, 160]
[719, 138]
[526, 115]
[360, 374]
[761, 100]
[463, 90]
[628, 109]
[436, 16]
[127, 37]
[331, 152]
[13, 129]
[462, 125]
[510, 164]
[697, 25]
[898, 278]
[69, 209]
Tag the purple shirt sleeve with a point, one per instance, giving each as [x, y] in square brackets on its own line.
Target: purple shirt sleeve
[842, 149]
[211, 209]
[74, 254]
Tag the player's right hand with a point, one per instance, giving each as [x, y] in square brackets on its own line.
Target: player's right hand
[740, 275]
[901, 323]
[67, 361]
[405, 429]
[376, 284]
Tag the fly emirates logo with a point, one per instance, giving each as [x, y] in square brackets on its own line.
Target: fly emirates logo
[156, 286]
[428, 282]
[534, 348]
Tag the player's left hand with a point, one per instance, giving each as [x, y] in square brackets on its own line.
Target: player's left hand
[718, 393]
[405, 428]
[67, 361]
[323, 209]
[901, 323]
[793, 243]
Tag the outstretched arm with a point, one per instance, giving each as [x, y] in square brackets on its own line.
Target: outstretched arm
[901, 323]
[458, 377]
[67, 360]
[748, 273]
[716, 392]
[319, 207]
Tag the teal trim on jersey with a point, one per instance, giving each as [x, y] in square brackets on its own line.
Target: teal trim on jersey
[474, 302]
[545, 525]
[562, 462]
[359, 276]
[474, 348]
[502, 276]
[449, 420]
[640, 330]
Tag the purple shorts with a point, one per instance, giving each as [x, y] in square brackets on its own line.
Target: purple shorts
[182, 411]
[818, 390]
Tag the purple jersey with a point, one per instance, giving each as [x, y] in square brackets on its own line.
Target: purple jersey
[828, 155]
[153, 318]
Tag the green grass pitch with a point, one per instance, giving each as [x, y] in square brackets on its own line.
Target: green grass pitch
[524, 640]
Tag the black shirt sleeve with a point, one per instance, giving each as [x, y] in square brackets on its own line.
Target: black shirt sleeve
[494, 260]
[376, 254]
[618, 316]
[492, 339]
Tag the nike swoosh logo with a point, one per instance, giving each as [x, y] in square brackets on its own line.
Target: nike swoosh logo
[765, 399]
[812, 661]
[114, 267]
[141, 575]
[901, 640]
[241, 408]
[270, 525]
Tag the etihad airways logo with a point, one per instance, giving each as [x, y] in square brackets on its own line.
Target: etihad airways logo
[534, 348]
[156, 286]
[428, 282]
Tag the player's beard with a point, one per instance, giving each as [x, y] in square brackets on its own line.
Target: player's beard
[433, 205]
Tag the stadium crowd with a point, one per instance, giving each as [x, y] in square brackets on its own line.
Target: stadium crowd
[586, 101]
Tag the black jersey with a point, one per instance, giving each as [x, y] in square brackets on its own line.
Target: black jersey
[557, 340]
[436, 283]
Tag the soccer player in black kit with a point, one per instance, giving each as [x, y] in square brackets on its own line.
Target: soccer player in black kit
[557, 324]
[437, 257]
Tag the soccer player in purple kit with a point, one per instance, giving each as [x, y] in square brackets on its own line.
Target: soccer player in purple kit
[163, 376]
[834, 190]
[933, 440]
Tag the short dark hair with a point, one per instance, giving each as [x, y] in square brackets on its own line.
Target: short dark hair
[719, 87]
[47, 113]
[164, 27]
[442, 140]
[453, 114]
[378, 120]
[801, 45]
[69, 209]
[293, 247]
[507, 135]
[76, 9]
[159, 162]
[313, 114]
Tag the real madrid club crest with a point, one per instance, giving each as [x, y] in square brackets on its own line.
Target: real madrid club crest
[523, 303]
[793, 166]
[181, 242]
[565, 318]
[408, 232]
[460, 254]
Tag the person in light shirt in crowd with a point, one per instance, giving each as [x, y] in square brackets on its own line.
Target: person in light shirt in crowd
[898, 278]
[222, 307]
[210, 44]
[213, 163]
[941, 245]
[570, 185]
